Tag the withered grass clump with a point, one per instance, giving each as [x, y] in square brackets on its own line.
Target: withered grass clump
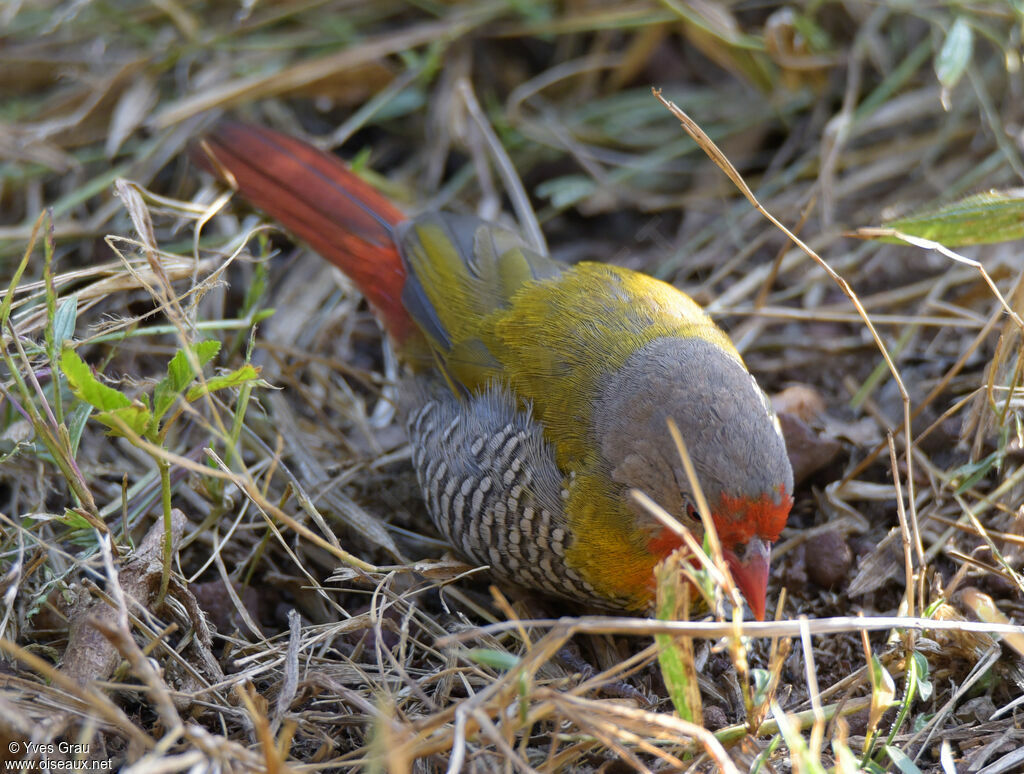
[212, 549]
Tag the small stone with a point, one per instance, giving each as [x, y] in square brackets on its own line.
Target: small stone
[215, 601]
[975, 711]
[714, 718]
[809, 451]
[801, 401]
[828, 559]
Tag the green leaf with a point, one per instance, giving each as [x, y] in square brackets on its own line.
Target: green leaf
[206, 351]
[924, 686]
[74, 520]
[163, 399]
[921, 722]
[179, 370]
[676, 654]
[496, 659]
[815, 35]
[247, 373]
[762, 682]
[136, 416]
[978, 219]
[64, 319]
[76, 424]
[256, 289]
[902, 760]
[955, 54]
[85, 386]
[180, 375]
[10, 449]
[567, 190]
[971, 473]
[883, 689]
[405, 102]
[111, 403]
[672, 661]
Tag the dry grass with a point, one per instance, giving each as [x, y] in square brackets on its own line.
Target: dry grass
[307, 619]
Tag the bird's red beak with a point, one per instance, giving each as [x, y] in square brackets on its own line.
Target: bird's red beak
[751, 573]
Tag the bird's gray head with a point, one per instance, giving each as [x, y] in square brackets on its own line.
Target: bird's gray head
[729, 430]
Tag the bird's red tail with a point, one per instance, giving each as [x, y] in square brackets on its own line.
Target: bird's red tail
[315, 196]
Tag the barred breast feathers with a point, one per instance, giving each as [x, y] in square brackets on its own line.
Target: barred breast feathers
[491, 484]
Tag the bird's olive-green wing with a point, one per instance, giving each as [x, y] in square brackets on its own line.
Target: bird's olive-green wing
[462, 271]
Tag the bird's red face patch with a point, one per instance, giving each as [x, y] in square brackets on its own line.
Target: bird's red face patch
[740, 522]
[738, 519]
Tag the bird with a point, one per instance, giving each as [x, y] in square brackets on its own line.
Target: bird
[536, 393]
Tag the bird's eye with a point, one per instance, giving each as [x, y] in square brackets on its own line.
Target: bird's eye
[691, 511]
